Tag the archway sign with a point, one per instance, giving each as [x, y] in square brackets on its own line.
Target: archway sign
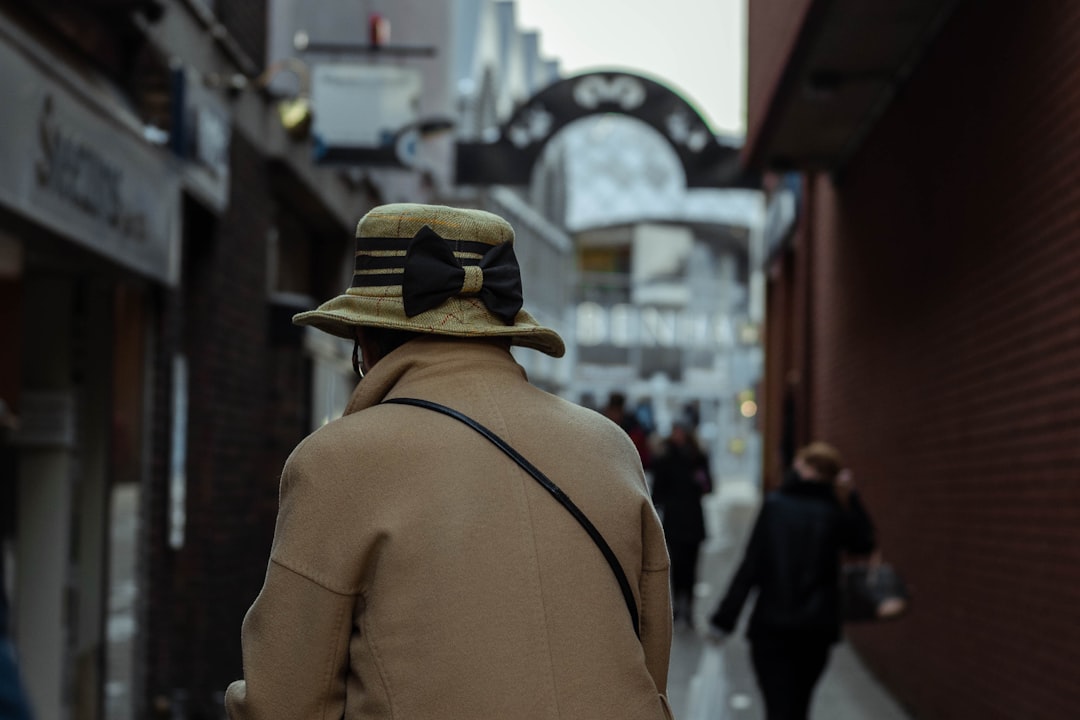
[509, 159]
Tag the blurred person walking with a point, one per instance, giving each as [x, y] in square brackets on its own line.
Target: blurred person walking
[793, 561]
[681, 477]
[419, 572]
[615, 410]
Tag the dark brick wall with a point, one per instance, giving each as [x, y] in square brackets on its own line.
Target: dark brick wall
[784, 415]
[154, 666]
[945, 361]
[11, 330]
[776, 400]
[248, 403]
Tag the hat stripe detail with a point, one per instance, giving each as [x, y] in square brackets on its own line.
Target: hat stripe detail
[367, 262]
[380, 266]
[366, 244]
[406, 254]
[389, 278]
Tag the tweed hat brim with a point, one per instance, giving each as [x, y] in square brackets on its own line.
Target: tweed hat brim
[375, 300]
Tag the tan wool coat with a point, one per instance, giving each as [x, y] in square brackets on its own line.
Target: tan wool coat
[418, 573]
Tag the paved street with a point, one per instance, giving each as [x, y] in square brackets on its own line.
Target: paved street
[706, 683]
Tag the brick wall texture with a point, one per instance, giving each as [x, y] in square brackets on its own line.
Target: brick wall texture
[944, 359]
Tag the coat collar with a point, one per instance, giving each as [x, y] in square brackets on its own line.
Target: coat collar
[795, 485]
[428, 365]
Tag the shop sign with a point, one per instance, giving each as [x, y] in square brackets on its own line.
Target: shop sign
[83, 174]
[365, 114]
[509, 156]
[623, 325]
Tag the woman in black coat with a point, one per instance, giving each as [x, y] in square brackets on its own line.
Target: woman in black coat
[680, 478]
[793, 561]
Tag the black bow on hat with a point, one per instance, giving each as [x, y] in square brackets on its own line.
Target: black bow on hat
[433, 275]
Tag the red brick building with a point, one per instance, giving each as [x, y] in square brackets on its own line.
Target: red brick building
[923, 315]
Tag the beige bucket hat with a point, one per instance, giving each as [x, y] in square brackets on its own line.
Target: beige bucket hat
[438, 270]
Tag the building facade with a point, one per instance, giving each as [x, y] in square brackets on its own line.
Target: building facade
[922, 315]
[90, 213]
[497, 67]
[158, 226]
[171, 198]
[663, 316]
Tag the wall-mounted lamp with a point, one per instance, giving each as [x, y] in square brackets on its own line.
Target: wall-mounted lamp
[294, 112]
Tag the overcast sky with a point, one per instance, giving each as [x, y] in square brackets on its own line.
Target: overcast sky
[695, 46]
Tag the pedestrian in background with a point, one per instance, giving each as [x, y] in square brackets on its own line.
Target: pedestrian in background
[793, 561]
[615, 410]
[419, 572]
[681, 477]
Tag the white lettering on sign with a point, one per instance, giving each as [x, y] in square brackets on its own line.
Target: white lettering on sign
[533, 125]
[624, 325]
[658, 327]
[82, 176]
[78, 164]
[626, 91]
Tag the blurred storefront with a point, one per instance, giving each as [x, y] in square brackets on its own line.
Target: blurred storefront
[159, 224]
[89, 232]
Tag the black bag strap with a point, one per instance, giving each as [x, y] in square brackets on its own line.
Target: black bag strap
[548, 485]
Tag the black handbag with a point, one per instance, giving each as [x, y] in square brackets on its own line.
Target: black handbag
[553, 489]
[872, 591]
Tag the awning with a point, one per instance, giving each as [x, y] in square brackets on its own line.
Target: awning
[847, 63]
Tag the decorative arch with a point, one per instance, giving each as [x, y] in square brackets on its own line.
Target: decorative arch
[509, 159]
